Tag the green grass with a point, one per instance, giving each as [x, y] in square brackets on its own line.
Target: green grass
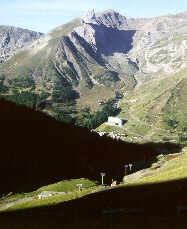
[69, 186]
[176, 107]
[53, 200]
[146, 107]
[174, 170]
[90, 97]
[107, 128]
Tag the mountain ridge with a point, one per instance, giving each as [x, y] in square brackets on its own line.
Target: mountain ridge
[14, 38]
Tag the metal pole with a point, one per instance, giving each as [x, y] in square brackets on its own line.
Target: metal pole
[79, 186]
[102, 178]
[126, 166]
[130, 167]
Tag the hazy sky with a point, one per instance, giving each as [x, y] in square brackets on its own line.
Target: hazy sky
[44, 15]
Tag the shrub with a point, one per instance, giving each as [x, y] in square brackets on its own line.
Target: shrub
[62, 116]
[3, 88]
[22, 82]
[108, 79]
[23, 98]
[172, 123]
[92, 121]
[63, 94]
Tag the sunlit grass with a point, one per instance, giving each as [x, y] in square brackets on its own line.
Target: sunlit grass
[144, 107]
[53, 200]
[69, 186]
[174, 170]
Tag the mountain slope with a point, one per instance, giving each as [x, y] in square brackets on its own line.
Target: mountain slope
[95, 57]
[12, 39]
[156, 110]
[75, 56]
[160, 44]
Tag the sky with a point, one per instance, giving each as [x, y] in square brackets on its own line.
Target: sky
[44, 15]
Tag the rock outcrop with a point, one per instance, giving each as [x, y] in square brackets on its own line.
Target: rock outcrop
[90, 17]
[160, 43]
[113, 19]
[12, 39]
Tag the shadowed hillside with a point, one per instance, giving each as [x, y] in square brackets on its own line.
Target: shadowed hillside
[36, 150]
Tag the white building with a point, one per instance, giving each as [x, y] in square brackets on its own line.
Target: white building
[115, 121]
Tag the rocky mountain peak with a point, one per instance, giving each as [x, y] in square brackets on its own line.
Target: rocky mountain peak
[96, 28]
[111, 18]
[90, 18]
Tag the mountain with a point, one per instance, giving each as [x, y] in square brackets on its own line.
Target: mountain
[66, 72]
[13, 38]
[157, 108]
[161, 44]
[66, 60]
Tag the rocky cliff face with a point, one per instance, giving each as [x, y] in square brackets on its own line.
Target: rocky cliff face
[153, 45]
[12, 38]
[109, 40]
[160, 43]
[109, 18]
[89, 51]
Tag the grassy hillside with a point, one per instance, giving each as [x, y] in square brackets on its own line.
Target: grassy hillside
[156, 109]
[29, 200]
[172, 170]
[167, 168]
[160, 203]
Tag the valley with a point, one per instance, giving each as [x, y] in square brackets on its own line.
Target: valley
[94, 57]
[102, 95]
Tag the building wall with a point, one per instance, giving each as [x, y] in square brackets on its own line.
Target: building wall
[114, 121]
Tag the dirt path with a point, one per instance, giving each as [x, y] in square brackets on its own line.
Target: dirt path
[149, 171]
[135, 176]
